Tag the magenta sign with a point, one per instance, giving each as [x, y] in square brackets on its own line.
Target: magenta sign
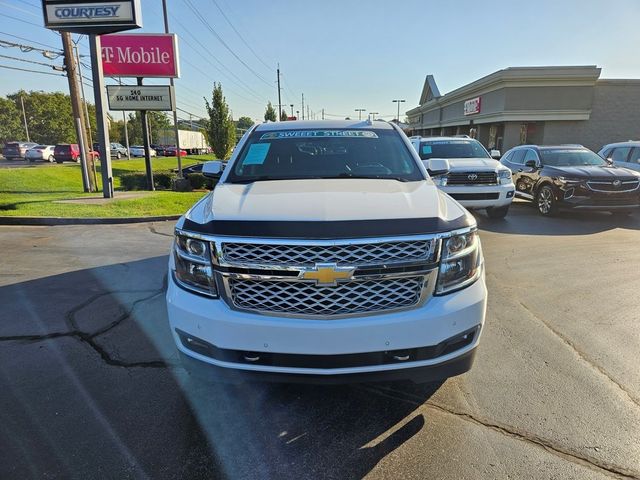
[140, 55]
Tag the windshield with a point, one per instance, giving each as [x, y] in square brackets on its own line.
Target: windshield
[570, 158]
[331, 153]
[452, 149]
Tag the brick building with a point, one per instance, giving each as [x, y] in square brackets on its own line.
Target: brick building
[536, 105]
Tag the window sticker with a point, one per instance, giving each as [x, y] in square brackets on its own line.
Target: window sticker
[450, 142]
[256, 154]
[318, 133]
[426, 149]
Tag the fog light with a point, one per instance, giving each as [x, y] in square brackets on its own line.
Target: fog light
[510, 194]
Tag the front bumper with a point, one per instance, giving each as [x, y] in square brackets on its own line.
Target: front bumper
[248, 335]
[481, 196]
[601, 202]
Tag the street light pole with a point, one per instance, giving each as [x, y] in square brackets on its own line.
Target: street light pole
[291, 105]
[398, 101]
[373, 114]
[360, 110]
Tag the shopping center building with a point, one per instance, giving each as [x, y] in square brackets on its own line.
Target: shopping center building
[533, 105]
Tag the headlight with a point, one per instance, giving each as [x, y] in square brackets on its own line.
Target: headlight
[504, 177]
[192, 268]
[569, 181]
[460, 262]
[441, 180]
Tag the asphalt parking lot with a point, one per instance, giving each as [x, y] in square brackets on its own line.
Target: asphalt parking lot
[91, 387]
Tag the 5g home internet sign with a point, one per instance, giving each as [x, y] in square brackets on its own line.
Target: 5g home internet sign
[92, 17]
[147, 97]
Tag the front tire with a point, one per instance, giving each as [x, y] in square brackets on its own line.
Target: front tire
[51, 159]
[497, 212]
[546, 201]
[118, 155]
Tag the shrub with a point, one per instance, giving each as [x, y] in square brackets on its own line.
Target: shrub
[162, 180]
[198, 181]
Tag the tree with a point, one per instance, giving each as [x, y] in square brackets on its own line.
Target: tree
[283, 115]
[49, 116]
[244, 123]
[221, 128]
[158, 125]
[270, 113]
[11, 127]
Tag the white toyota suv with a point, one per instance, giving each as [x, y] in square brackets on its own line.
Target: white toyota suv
[326, 253]
[475, 179]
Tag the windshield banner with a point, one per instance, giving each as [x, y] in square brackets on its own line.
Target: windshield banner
[318, 133]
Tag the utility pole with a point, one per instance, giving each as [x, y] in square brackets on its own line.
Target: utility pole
[24, 117]
[279, 99]
[303, 106]
[398, 102]
[76, 106]
[308, 116]
[323, 113]
[175, 112]
[360, 110]
[90, 159]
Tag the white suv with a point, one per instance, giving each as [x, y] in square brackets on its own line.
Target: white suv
[325, 252]
[475, 179]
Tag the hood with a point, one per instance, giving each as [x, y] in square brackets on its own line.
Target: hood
[594, 172]
[471, 164]
[331, 200]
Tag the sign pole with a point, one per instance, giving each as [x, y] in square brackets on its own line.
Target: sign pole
[101, 116]
[147, 145]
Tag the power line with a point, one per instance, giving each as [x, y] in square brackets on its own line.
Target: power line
[240, 83]
[21, 10]
[32, 61]
[28, 40]
[240, 36]
[33, 71]
[28, 48]
[210, 28]
[20, 20]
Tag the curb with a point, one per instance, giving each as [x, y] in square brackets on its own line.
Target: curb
[82, 221]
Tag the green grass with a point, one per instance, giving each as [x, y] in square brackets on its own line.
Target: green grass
[32, 191]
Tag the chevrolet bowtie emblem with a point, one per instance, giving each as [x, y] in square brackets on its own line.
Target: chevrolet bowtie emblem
[327, 274]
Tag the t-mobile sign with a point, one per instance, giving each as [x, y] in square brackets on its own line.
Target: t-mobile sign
[140, 55]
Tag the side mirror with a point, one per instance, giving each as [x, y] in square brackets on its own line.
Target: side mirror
[437, 166]
[212, 169]
[495, 154]
[609, 160]
[531, 164]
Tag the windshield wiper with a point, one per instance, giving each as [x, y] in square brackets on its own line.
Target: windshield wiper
[265, 178]
[376, 177]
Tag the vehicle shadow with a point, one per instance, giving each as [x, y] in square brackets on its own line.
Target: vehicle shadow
[524, 219]
[91, 382]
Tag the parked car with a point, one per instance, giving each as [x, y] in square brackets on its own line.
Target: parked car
[623, 154]
[325, 252]
[571, 177]
[66, 152]
[171, 152]
[41, 152]
[138, 151]
[475, 179]
[16, 150]
[117, 150]
[159, 149]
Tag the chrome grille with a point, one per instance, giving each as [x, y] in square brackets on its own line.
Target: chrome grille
[303, 298]
[472, 178]
[347, 253]
[610, 186]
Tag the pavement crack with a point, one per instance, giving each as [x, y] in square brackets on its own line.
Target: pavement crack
[533, 439]
[582, 355]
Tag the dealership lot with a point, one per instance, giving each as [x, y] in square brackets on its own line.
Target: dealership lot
[92, 387]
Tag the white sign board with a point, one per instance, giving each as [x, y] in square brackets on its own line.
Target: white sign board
[132, 97]
[472, 106]
[92, 16]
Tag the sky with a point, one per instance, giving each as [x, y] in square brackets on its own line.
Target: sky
[346, 54]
